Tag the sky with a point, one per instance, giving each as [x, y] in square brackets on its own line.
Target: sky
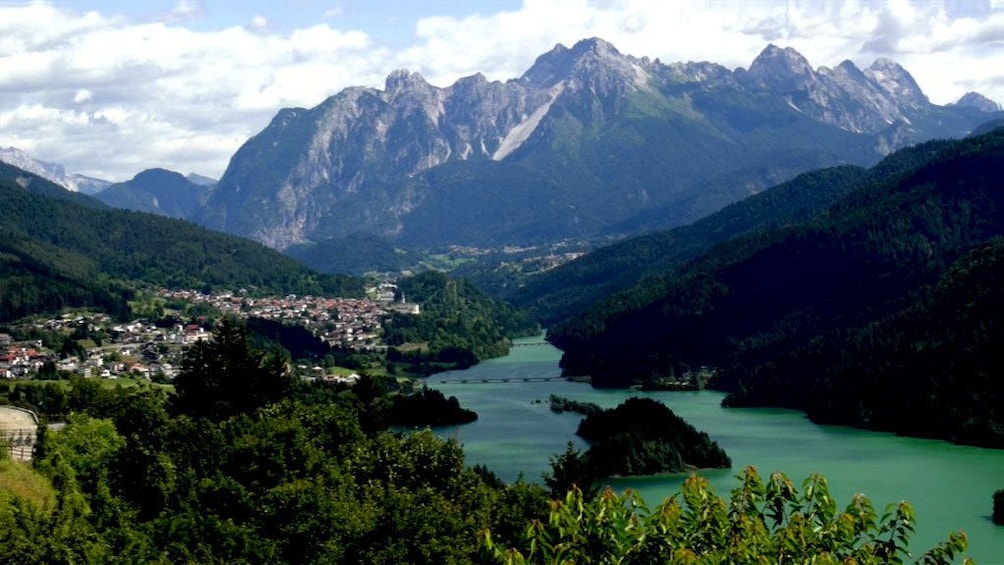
[112, 87]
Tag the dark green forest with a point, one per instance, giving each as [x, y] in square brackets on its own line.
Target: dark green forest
[459, 325]
[354, 254]
[571, 288]
[641, 436]
[60, 249]
[243, 465]
[429, 407]
[812, 316]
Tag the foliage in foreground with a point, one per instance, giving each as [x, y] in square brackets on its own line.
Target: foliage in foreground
[240, 468]
[761, 523]
[313, 476]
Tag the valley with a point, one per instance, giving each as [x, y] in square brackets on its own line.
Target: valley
[782, 266]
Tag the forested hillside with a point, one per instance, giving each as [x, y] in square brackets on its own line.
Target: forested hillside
[865, 263]
[59, 249]
[354, 254]
[247, 466]
[459, 325]
[569, 289]
[572, 288]
[940, 358]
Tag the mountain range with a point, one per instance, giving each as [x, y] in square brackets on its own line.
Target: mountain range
[587, 143]
[52, 171]
[157, 191]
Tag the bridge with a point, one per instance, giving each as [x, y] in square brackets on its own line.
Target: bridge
[496, 380]
[530, 344]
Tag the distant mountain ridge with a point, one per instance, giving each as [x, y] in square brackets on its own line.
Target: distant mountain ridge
[52, 171]
[584, 142]
[158, 191]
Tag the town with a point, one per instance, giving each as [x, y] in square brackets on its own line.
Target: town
[93, 345]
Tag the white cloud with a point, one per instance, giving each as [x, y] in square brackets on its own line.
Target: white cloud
[259, 23]
[83, 95]
[108, 96]
[947, 55]
[185, 10]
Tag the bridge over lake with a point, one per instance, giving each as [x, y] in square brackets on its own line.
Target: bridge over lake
[489, 380]
[529, 344]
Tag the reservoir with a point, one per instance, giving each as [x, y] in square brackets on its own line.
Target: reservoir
[950, 486]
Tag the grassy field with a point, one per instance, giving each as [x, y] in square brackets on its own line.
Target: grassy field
[105, 383]
[20, 480]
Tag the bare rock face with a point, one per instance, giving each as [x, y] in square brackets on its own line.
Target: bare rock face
[897, 83]
[584, 140]
[979, 102]
[52, 171]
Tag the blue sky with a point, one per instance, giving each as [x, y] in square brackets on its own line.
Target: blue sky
[109, 88]
[391, 22]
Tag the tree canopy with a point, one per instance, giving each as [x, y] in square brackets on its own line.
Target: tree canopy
[878, 313]
[223, 376]
[761, 523]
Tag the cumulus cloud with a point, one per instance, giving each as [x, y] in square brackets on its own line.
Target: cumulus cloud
[109, 96]
[950, 45]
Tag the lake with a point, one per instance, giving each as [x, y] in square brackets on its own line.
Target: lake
[949, 486]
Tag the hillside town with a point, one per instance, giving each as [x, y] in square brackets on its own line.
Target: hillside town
[94, 345]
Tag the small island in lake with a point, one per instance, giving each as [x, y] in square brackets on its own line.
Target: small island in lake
[642, 436]
[560, 404]
[428, 407]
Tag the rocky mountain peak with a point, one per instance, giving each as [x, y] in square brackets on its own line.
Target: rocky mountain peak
[24, 161]
[561, 62]
[780, 64]
[848, 68]
[51, 171]
[595, 47]
[477, 79]
[370, 160]
[978, 101]
[403, 79]
[897, 82]
[587, 61]
[703, 72]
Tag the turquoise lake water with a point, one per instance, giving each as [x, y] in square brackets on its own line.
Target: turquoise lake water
[949, 486]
